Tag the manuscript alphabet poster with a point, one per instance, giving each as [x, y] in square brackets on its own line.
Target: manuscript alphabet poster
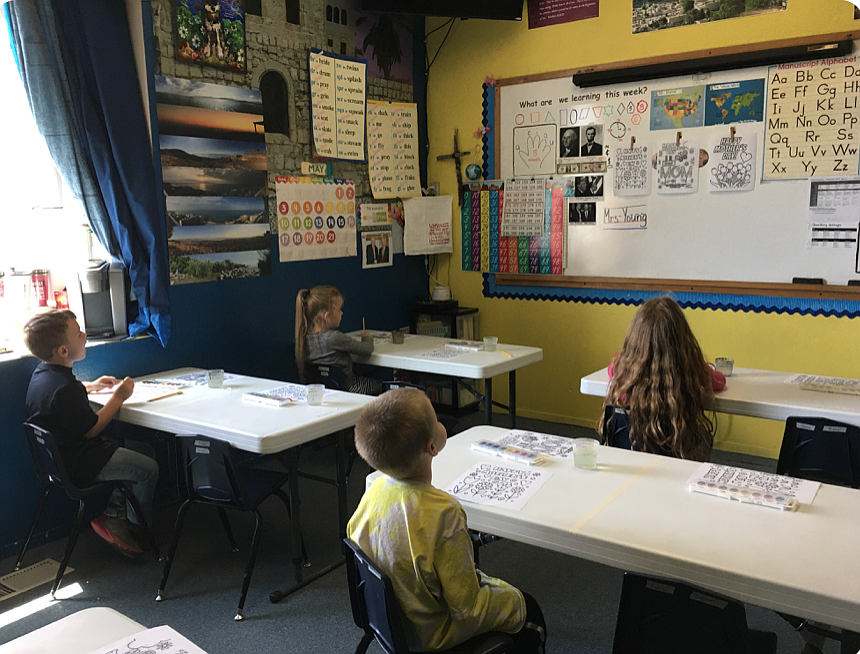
[813, 119]
[316, 218]
[392, 149]
[338, 101]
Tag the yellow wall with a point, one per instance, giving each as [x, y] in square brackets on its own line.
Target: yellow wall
[578, 339]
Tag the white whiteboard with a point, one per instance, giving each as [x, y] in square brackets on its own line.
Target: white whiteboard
[755, 236]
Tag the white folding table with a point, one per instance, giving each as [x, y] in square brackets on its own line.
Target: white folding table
[760, 394]
[221, 413]
[468, 364]
[636, 513]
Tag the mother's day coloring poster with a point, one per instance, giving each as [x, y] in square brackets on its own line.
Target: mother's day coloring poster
[732, 162]
[488, 483]
[677, 169]
[632, 171]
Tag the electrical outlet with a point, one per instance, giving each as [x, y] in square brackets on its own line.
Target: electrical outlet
[433, 189]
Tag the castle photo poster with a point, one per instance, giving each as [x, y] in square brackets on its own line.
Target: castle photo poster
[211, 32]
[653, 15]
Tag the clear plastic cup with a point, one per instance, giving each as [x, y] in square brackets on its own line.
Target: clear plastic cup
[490, 343]
[215, 378]
[316, 392]
[724, 365]
[585, 453]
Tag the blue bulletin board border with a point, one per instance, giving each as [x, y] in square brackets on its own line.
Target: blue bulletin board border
[714, 301]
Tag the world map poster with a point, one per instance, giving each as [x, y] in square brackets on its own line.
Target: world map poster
[735, 102]
[678, 108]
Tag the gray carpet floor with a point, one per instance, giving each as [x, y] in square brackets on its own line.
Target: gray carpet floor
[579, 598]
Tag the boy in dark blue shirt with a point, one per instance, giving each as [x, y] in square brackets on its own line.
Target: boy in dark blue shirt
[57, 402]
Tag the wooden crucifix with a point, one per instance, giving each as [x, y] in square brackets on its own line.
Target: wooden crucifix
[456, 156]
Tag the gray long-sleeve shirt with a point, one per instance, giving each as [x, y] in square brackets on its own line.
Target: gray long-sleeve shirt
[332, 347]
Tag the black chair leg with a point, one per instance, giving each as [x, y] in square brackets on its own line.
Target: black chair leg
[249, 569]
[366, 639]
[70, 546]
[168, 560]
[226, 522]
[144, 527]
[33, 522]
[286, 500]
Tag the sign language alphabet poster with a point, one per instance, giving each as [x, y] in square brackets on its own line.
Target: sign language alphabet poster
[488, 483]
[392, 146]
[338, 101]
[316, 218]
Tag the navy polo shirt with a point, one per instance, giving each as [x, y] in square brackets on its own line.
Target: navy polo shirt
[57, 402]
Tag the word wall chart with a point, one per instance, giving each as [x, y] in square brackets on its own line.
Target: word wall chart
[392, 149]
[485, 248]
[316, 218]
[338, 102]
[813, 119]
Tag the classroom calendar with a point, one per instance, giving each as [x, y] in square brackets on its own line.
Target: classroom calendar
[316, 218]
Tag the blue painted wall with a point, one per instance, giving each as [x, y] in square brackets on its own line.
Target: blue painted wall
[245, 326]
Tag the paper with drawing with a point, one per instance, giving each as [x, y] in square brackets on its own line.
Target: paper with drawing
[488, 483]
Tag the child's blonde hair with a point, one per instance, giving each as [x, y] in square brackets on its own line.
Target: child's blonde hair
[46, 331]
[663, 381]
[393, 430]
[310, 305]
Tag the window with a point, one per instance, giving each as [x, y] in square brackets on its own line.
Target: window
[343, 47]
[41, 225]
[336, 18]
[253, 7]
[330, 44]
[343, 17]
[275, 114]
[328, 13]
[293, 12]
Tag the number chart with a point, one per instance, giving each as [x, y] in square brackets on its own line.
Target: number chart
[316, 218]
[486, 250]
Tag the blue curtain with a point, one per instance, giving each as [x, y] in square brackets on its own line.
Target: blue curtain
[77, 64]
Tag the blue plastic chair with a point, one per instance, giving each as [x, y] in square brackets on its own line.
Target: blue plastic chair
[376, 611]
[209, 475]
[52, 472]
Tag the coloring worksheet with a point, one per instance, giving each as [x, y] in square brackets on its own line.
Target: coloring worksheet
[802, 490]
[442, 353]
[632, 171]
[732, 163]
[677, 169]
[164, 640]
[557, 447]
[488, 483]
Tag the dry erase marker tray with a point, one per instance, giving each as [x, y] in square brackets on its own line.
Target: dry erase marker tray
[780, 501]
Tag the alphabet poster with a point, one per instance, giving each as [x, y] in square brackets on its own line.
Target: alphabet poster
[732, 163]
[813, 119]
[316, 218]
[508, 487]
[677, 169]
[392, 146]
[338, 100]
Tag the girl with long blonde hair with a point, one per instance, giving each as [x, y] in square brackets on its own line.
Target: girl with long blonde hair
[662, 382]
[318, 341]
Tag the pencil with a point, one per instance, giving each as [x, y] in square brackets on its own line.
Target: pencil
[507, 354]
[363, 328]
[161, 397]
